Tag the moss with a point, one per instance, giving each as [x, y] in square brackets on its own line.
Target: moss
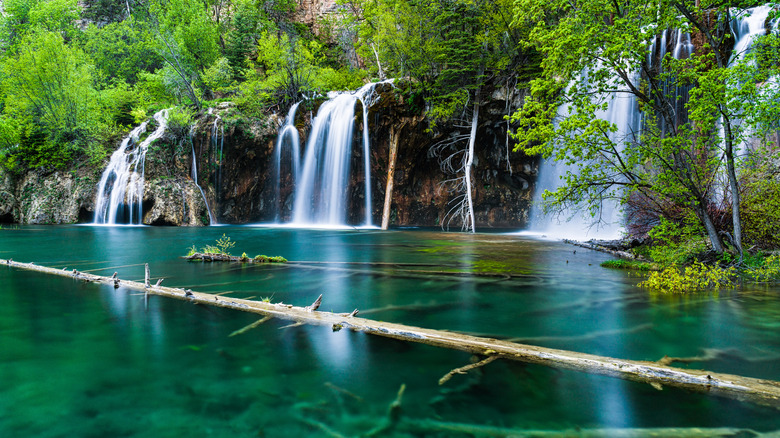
[267, 259]
[635, 265]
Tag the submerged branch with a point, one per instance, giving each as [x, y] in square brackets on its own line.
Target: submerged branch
[765, 392]
[467, 368]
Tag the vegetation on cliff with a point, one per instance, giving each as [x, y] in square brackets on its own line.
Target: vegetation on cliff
[76, 76]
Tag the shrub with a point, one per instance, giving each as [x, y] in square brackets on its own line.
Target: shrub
[760, 213]
[676, 244]
[769, 270]
[696, 277]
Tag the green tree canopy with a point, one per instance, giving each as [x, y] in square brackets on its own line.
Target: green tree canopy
[594, 50]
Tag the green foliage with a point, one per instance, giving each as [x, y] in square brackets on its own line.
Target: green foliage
[267, 259]
[767, 270]
[634, 265]
[123, 50]
[219, 76]
[696, 277]
[591, 48]
[288, 69]
[676, 244]
[761, 212]
[225, 244]
[180, 121]
[222, 246]
[52, 110]
[26, 16]
[448, 48]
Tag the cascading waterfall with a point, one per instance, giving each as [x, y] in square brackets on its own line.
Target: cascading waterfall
[321, 191]
[572, 223]
[624, 113]
[745, 28]
[194, 175]
[289, 139]
[121, 188]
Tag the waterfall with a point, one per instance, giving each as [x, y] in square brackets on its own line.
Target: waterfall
[322, 189]
[573, 222]
[288, 136]
[194, 174]
[217, 144]
[624, 113]
[745, 28]
[121, 188]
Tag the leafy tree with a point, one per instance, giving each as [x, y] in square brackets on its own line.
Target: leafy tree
[594, 50]
[53, 111]
[103, 12]
[287, 69]
[186, 38]
[23, 16]
[122, 50]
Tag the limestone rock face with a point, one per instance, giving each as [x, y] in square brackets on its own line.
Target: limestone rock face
[7, 199]
[55, 198]
[174, 201]
[310, 11]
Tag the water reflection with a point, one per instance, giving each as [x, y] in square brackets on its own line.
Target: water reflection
[170, 368]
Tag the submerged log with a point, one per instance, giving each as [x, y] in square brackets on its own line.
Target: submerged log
[765, 392]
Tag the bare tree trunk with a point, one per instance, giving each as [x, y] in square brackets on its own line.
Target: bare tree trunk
[470, 161]
[378, 64]
[394, 136]
[733, 187]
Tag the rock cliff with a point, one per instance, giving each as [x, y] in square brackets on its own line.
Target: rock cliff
[233, 155]
[241, 185]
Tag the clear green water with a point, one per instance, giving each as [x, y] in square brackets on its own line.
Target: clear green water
[87, 360]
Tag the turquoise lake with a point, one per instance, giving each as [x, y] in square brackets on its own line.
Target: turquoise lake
[86, 360]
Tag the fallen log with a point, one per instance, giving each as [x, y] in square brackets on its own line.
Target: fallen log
[760, 391]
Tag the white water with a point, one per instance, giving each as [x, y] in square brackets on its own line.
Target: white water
[322, 189]
[288, 136]
[217, 141]
[745, 28]
[121, 188]
[212, 219]
[576, 222]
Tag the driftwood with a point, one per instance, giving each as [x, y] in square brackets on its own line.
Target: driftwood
[765, 392]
